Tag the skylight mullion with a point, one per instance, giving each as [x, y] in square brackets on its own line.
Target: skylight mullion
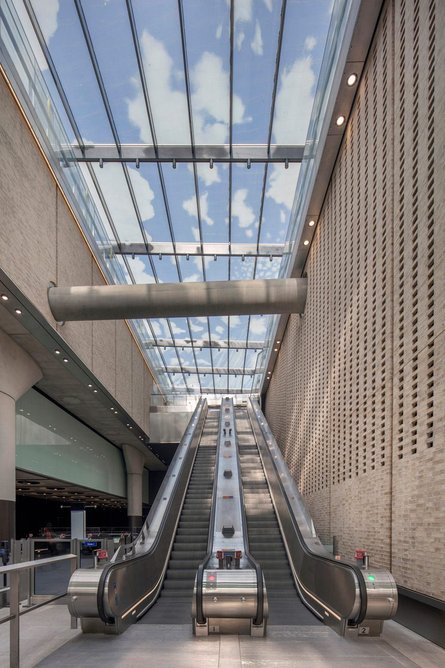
[137, 48]
[232, 32]
[95, 64]
[277, 69]
[54, 73]
[127, 265]
[269, 139]
[172, 236]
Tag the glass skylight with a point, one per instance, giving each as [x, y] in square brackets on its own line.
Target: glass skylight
[199, 83]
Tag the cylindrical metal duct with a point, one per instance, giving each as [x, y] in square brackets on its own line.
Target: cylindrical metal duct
[175, 300]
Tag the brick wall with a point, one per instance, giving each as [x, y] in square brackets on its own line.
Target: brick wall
[357, 397]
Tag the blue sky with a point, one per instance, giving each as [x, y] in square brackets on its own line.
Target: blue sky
[207, 29]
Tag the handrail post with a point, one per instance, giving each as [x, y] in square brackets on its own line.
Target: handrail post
[14, 638]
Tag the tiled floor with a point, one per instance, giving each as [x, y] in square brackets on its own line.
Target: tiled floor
[48, 641]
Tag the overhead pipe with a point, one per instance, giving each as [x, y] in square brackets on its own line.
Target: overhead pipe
[178, 300]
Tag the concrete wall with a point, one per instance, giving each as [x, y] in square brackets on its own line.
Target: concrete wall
[41, 242]
[357, 398]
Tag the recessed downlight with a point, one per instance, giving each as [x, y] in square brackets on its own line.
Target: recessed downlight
[5, 298]
[340, 120]
[311, 223]
[18, 311]
[57, 352]
[352, 79]
[65, 359]
[306, 242]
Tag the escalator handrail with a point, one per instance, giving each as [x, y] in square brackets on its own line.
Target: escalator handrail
[199, 416]
[258, 621]
[307, 550]
[200, 619]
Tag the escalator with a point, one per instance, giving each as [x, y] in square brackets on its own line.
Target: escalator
[190, 545]
[229, 539]
[265, 541]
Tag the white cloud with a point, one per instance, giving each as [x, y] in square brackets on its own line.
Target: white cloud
[240, 37]
[282, 184]
[268, 4]
[115, 191]
[196, 328]
[243, 10]
[310, 43]
[241, 210]
[235, 320]
[258, 325]
[156, 327]
[219, 329]
[190, 206]
[201, 319]
[249, 233]
[207, 175]
[211, 86]
[282, 216]
[169, 106]
[174, 328]
[192, 278]
[219, 31]
[257, 42]
[294, 102]
[139, 270]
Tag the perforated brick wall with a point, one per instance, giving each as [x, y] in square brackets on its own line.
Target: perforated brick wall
[357, 396]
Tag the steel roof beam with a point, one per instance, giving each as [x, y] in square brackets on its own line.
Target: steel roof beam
[186, 249]
[199, 344]
[219, 371]
[198, 153]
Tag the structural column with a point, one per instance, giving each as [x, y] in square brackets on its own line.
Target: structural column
[134, 461]
[18, 373]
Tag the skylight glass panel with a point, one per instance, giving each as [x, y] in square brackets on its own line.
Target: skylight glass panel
[279, 198]
[268, 267]
[165, 268]
[255, 40]
[150, 201]
[69, 52]
[213, 185]
[242, 270]
[181, 198]
[159, 32]
[217, 270]
[115, 190]
[304, 37]
[208, 55]
[191, 269]
[207, 381]
[247, 186]
[109, 27]
[140, 268]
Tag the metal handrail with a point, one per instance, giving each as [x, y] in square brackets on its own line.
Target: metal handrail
[13, 571]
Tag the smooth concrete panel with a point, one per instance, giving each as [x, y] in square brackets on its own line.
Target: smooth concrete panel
[74, 267]
[139, 401]
[104, 346]
[27, 208]
[124, 368]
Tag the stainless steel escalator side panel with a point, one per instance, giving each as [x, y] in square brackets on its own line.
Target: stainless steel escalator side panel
[339, 593]
[225, 596]
[120, 592]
